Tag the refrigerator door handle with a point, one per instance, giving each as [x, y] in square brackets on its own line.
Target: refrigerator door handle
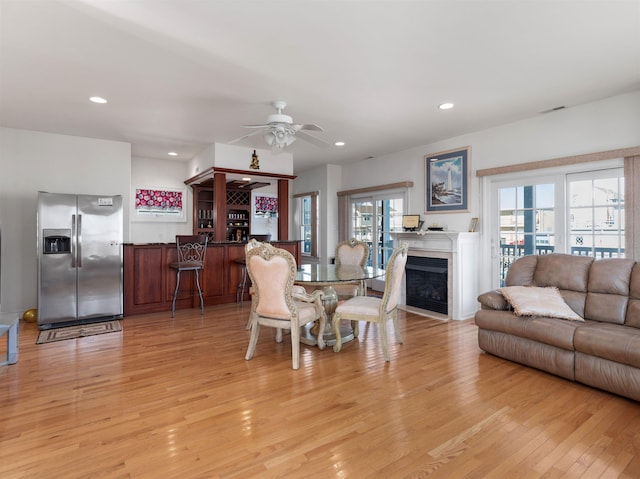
[79, 246]
[73, 241]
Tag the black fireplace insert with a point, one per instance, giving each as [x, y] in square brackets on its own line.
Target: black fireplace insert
[426, 283]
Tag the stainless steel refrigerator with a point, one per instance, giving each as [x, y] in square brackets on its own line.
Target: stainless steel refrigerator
[79, 258]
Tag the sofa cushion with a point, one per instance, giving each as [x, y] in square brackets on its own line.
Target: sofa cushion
[608, 290]
[575, 300]
[564, 271]
[534, 301]
[611, 276]
[521, 271]
[536, 328]
[609, 341]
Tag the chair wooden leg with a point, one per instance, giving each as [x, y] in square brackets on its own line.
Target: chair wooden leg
[278, 335]
[253, 340]
[295, 345]
[396, 328]
[335, 323]
[384, 339]
[323, 323]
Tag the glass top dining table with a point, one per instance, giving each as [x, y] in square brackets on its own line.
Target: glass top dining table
[328, 274]
[325, 276]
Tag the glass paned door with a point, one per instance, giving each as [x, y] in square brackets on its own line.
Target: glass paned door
[362, 223]
[372, 221]
[527, 221]
[306, 225]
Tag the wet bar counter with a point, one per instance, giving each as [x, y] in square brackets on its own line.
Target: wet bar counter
[149, 283]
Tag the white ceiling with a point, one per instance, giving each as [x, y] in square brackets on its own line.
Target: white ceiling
[182, 74]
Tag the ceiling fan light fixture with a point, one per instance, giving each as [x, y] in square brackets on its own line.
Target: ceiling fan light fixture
[279, 138]
[280, 131]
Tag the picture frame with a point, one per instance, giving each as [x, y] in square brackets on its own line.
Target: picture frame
[447, 181]
[265, 206]
[473, 225]
[159, 204]
[411, 222]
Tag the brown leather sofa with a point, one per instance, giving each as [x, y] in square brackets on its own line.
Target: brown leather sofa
[603, 351]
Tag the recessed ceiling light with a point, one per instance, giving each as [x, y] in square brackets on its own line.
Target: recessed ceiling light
[339, 143]
[97, 99]
[172, 153]
[246, 179]
[446, 106]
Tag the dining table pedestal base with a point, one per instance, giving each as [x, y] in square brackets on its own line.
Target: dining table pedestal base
[309, 332]
[324, 276]
[310, 339]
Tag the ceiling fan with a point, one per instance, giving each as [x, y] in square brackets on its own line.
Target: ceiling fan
[279, 131]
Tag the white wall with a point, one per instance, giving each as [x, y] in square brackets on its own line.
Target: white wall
[327, 180]
[259, 224]
[147, 173]
[32, 161]
[239, 158]
[604, 125]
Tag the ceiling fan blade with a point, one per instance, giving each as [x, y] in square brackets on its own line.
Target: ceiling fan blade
[244, 137]
[307, 126]
[312, 139]
[257, 126]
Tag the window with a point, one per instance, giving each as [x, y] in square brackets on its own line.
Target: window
[576, 210]
[596, 213]
[306, 205]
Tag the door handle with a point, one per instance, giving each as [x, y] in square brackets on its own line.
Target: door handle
[73, 241]
[79, 241]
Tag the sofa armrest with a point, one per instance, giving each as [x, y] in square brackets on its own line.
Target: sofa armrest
[493, 300]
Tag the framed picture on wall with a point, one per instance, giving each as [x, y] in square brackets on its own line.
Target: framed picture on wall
[159, 204]
[447, 181]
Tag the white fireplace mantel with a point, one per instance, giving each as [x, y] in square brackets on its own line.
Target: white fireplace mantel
[461, 249]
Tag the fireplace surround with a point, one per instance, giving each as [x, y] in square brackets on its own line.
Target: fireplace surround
[452, 258]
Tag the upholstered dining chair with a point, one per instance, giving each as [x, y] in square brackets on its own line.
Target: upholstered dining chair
[191, 255]
[275, 303]
[352, 252]
[252, 243]
[375, 310]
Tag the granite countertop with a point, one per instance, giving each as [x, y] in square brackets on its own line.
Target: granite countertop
[210, 242]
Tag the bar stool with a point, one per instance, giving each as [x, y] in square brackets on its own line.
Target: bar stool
[191, 255]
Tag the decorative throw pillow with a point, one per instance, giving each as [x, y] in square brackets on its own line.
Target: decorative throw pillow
[536, 301]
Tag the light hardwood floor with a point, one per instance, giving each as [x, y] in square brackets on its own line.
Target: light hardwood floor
[176, 399]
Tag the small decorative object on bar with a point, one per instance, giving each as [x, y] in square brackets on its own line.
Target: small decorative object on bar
[255, 163]
[473, 225]
[447, 181]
